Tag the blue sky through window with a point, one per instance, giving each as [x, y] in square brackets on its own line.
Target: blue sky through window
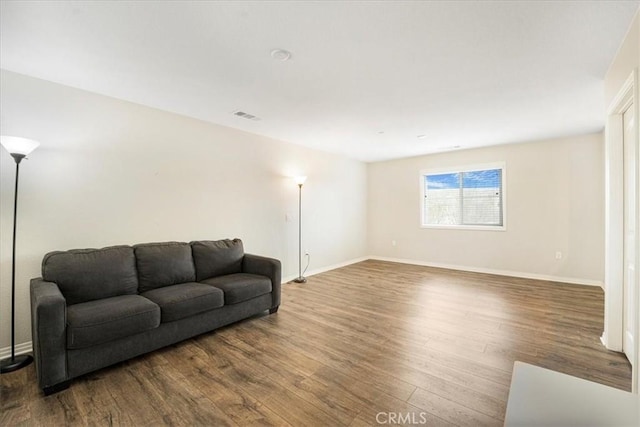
[473, 179]
[443, 181]
[482, 179]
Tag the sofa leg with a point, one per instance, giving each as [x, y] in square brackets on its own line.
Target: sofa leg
[56, 388]
[273, 310]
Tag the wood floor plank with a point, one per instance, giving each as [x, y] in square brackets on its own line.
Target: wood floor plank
[352, 346]
[95, 403]
[223, 393]
[452, 411]
[59, 409]
[14, 398]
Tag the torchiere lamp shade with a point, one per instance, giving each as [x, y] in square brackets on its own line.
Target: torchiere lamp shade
[17, 145]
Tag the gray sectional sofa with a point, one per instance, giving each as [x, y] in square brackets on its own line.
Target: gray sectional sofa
[95, 307]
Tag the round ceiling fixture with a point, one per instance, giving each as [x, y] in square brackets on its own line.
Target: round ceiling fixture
[281, 54]
[421, 136]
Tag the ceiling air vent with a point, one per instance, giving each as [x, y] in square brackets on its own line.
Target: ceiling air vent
[245, 115]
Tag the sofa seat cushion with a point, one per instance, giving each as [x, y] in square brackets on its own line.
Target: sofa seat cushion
[240, 287]
[100, 321]
[185, 300]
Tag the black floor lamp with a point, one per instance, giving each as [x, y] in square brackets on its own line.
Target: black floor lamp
[19, 148]
[300, 181]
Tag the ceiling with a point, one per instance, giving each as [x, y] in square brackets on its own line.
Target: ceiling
[365, 79]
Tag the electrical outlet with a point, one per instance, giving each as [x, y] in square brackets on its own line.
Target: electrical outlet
[558, 255]
[393, 243]
[306, 252]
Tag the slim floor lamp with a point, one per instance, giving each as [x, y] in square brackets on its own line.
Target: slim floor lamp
[19, 148]
[300, 181]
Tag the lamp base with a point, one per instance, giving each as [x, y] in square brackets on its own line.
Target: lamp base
[13, 364]
[300, 279]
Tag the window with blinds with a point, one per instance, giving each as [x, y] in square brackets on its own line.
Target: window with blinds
[466, 198]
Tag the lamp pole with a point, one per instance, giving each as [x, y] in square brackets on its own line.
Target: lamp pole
[300, 181]
[18, 152]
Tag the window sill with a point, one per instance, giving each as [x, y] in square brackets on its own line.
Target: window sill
[466, 227]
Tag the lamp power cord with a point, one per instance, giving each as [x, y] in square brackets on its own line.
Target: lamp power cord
[308, 262]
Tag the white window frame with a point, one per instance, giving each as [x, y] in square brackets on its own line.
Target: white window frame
[455, 169]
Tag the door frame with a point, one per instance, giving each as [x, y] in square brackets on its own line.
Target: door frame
[614, 224]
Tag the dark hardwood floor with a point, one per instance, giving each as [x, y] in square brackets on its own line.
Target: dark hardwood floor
[371, 342]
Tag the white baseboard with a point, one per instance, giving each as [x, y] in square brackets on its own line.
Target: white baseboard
[327, 268]
[23, 348]
[630, 347]
[571, 280]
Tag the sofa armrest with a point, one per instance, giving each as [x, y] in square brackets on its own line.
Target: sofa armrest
[269, 267]
[48, 332]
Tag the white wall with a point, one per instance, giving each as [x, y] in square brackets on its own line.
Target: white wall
[554, 203]
[111, 172]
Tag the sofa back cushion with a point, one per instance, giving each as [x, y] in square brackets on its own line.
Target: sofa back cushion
[90, 274]
[163, 264]
[217, 258]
